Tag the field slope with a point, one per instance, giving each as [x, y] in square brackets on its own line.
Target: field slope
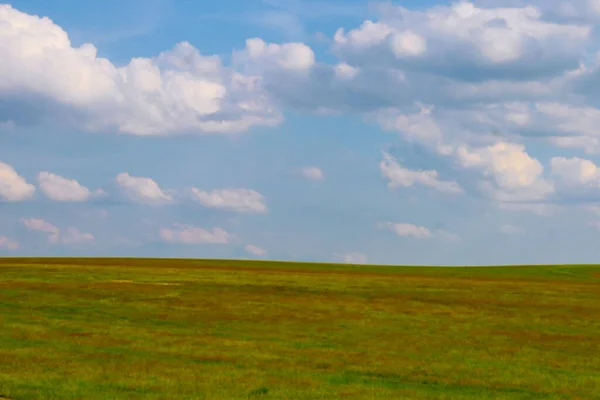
[207, 329]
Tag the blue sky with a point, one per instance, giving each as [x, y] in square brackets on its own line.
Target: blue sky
[414, 132]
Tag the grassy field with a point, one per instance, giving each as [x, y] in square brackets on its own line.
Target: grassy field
[185, 329]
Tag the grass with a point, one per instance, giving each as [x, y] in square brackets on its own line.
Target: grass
[209, 329]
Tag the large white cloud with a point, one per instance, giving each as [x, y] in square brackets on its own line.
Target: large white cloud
[240, 200]
[142, 189]
[178, 91]
[474, 71]
[59, 188]
[516, 175]
[187, 234]
[486, 43]
[13, 187]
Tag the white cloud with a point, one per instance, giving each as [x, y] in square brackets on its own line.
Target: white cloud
[74, 236]
[142, 190]
[71, 235]
[564, 10]
[240, 200]
[295, 57]
[443, 37]
[576, 178]
[494, 67]
[397, 175]
[345, 71]
[408, 230]
[8, 243]
[516, 175]
[419, 127]
[178, 91]
[257, 251]
[13, 187]
[352, 258]
[313, 173]
[38, 224]
[511, 230]
[58, 188]
[419, 232]
[575, 171]
[187, 234]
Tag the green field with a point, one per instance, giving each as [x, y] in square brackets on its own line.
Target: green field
[208, 329]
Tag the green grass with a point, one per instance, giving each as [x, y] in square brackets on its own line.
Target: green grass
[213, 329]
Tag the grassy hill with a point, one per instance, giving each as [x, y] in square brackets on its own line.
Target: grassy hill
[213, 329]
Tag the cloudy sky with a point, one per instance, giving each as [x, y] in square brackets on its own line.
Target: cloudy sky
[406, 132]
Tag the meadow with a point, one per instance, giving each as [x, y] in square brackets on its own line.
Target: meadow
[209, 329]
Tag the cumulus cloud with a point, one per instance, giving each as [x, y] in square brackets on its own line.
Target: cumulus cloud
[568, 125]
[576, 177]
[142, 190]
[13, 187]
[313, 173]
[352, 258]
[239, 200]
[295, 57]
[58, 188]
[420, 127]
[178, 91]
[516, 175]
[397, 175]
[257, 251]
[188, 234]
[576, 171]
[476, 71]
[70, 235]
[8, 243]
[488, 43]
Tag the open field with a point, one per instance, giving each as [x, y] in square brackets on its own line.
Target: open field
[183, 329]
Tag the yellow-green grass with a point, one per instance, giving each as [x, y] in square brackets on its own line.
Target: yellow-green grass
[208, 329]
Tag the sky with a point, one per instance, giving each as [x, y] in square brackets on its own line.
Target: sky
[403, 132]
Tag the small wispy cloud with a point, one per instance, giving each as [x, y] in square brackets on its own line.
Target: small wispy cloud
[351, 258]
[255, 250]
